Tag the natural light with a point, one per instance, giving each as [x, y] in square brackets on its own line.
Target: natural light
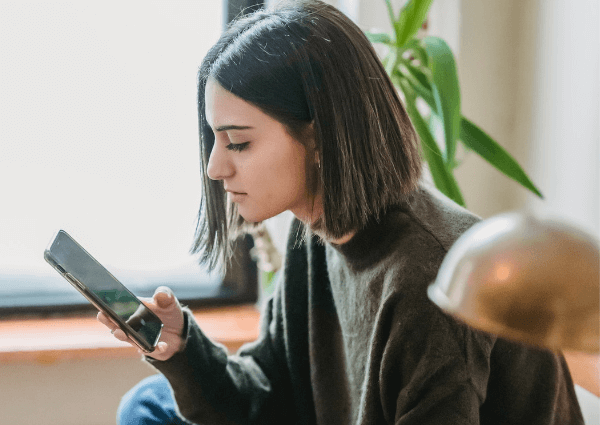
[98, 129]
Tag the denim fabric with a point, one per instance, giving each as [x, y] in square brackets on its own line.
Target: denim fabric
[150, 402]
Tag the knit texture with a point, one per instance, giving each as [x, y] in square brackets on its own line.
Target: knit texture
[350, 337]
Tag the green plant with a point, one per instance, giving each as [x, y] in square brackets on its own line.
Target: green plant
[425, 68]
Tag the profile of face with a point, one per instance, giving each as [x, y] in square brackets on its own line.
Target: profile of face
[263, 168]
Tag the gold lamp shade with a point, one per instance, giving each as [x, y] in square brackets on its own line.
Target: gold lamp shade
[524, 278]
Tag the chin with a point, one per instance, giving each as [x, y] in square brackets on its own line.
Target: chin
[250, 219]
[256, 216]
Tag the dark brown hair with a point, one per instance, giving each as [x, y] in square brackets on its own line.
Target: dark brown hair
[305, 63]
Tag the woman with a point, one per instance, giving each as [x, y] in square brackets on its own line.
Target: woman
[297, 113]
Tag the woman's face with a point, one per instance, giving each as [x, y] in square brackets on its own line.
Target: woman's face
[261, 165]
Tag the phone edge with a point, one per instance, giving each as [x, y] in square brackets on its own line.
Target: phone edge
[92, 298]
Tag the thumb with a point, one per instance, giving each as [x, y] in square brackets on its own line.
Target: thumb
[163, 297]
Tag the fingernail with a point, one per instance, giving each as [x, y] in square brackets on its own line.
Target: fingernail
[164, 290]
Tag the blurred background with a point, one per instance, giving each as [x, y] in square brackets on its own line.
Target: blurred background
[98, 135]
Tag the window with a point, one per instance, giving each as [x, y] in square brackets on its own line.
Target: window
[99, 137]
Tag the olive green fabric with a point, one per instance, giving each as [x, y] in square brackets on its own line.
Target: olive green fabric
[350, 337]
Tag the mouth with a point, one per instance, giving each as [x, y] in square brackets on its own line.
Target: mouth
[236, 196]
[234, 192]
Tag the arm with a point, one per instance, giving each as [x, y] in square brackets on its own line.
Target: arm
[212, 387]
[267, 381]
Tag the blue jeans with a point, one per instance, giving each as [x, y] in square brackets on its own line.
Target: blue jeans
[150, 402]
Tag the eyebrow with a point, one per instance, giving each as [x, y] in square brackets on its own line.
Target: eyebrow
[233, 127]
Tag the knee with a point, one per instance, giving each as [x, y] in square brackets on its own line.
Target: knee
[149, 402]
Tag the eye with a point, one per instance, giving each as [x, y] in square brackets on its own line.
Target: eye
[237, 147]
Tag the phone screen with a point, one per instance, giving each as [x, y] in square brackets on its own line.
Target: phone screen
[101, 288]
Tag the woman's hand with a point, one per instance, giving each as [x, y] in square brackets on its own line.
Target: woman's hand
[167, 308]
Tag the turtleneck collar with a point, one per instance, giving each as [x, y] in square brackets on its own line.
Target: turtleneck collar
[370, 244]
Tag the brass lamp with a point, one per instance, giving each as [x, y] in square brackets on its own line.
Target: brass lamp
[525, 278]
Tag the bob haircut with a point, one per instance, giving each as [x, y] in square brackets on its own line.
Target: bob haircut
[306, 63]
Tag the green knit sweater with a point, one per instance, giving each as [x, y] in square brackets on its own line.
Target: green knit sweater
[350, 337]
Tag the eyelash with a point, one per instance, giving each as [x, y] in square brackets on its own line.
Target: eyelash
[237, 147]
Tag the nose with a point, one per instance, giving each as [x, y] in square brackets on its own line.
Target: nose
[219, 165]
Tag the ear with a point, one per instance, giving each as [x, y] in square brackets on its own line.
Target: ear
[309, 132]
[311, 141]
[307, 136]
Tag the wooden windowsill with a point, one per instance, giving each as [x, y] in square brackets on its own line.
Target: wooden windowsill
[46, 341]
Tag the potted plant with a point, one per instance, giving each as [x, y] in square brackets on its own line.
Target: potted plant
[424, 71]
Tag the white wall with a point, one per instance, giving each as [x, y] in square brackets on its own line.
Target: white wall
[564, 132]
[72, 392]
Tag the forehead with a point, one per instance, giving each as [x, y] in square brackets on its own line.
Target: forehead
[223, 108]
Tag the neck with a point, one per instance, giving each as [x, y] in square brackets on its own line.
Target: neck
[307, 216]
[335, 241]
[316, 228]
[342, 240]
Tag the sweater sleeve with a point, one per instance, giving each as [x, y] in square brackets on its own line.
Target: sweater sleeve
[266, 381]
[213, 387]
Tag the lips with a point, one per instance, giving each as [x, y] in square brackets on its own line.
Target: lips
[236, 197]
[234, 192]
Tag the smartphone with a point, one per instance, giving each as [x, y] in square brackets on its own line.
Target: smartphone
[104, 291]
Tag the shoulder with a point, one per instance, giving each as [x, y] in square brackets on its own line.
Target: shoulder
[437, 215]
[411, 237]
[423, 229]
[420, 233]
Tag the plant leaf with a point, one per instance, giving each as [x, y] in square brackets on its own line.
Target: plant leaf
[379, 38]
[446, 91]
[391, 61]
[476, 139]
[419, 82]
[392, 17]
[442, 177]
[415, 47]
[411, 17]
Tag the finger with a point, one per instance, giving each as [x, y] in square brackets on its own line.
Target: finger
[105, 320]
[147, 301]
[161, 347]
[120, 335]
[163, 297]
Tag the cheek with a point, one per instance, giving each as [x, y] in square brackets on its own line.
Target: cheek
[279, 179]
[291, 181]
[283, 165]
[290, 171]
